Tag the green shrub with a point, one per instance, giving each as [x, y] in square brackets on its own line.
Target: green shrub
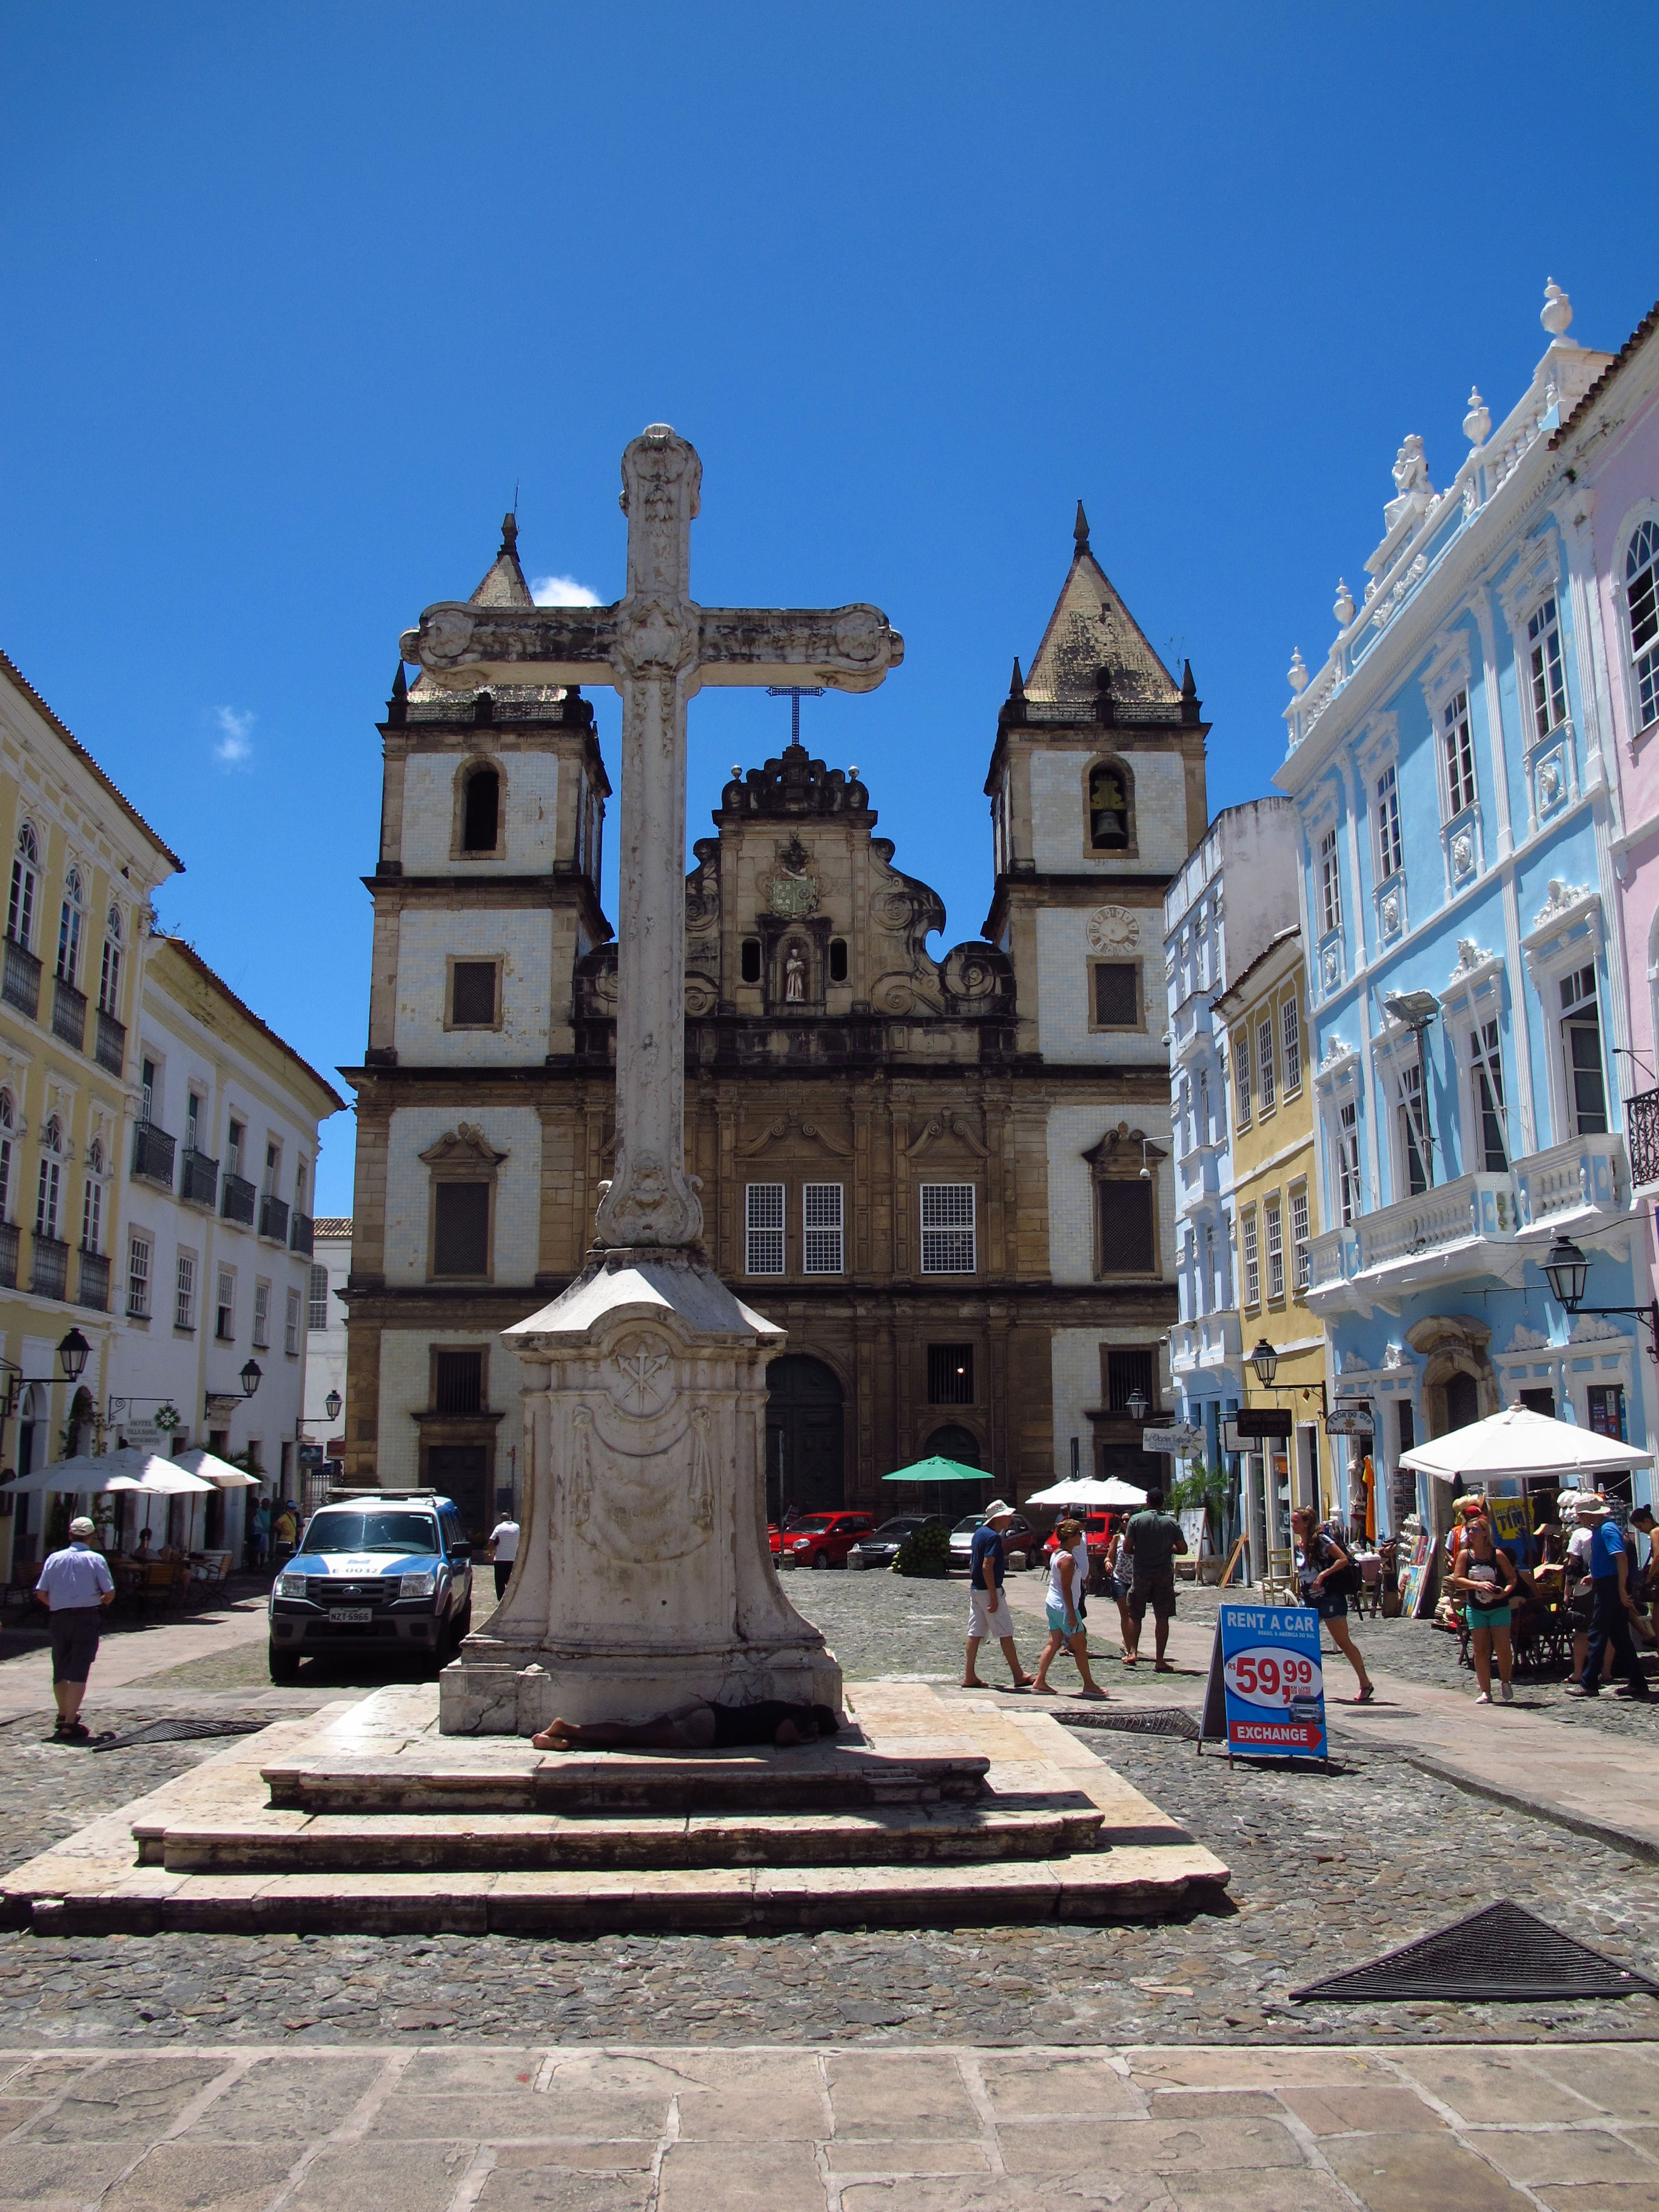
[925, 1553]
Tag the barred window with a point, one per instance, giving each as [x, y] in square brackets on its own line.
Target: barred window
[138, 1279]
[950, 1373]
[763, 1223]
[1299, 1238]
[1549, 682]
[948, 1242]
[1291, 1028]
[183, 1292]
[317, 1309]
[1275, 1253]
[1252, 1260]
[821, 1228]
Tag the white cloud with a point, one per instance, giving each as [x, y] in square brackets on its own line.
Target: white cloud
[236, 746]
[562, 591]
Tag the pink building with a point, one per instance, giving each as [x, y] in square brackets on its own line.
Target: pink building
[1608, 492]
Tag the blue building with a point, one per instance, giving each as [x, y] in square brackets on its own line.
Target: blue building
[1458, 807]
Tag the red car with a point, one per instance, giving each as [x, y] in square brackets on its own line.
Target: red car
[1098, 1532]
[819, 1539]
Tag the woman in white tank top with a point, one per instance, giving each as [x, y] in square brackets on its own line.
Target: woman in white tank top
[1068, 1573]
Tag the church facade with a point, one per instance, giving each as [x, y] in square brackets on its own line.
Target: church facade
[949, 1181]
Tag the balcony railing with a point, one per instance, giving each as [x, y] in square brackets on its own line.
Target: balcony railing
[68, 1014]
[1642, 1134]
[299, 1235]
[198, 1182]
[236, 1199]
[20, 981]
[95, 1282]
[273, 1219]
[152, 1154]
[49, 1268]
[111, 1048]
[10, 1238]
[1584, 1172]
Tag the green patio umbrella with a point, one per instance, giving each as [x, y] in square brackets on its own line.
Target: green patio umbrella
[939, 1470]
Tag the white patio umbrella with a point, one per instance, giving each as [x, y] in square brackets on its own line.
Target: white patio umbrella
[94, 1471]
[1518, 1442]
[1089, 1489]
[218, 1473]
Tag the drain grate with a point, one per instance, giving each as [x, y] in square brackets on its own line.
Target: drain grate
[1500, 1956]
[174, 1731]
[1143, 1720]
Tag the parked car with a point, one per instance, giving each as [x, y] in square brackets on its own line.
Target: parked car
[1019, 1542]
[1098, 1530]
[392, 1568]
[820, 1539]
[880, 1548]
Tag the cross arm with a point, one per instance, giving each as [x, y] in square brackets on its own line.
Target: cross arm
[460, 646]
[844, 648]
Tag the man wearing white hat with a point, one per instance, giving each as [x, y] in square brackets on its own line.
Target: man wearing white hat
[75, 1586]
[988, 1608]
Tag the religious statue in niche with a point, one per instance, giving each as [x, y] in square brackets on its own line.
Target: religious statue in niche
[794, 974]
[790, 891]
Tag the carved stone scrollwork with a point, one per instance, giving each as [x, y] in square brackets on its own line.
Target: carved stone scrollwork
[978, 980]
[581, 1467]
[702, 1470]
[648, 1203]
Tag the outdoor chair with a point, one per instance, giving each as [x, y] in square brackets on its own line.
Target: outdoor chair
[1368, 1599]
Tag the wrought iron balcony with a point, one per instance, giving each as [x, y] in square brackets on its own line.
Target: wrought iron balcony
[299, 1235]
[10, 1238]
[20, 981]
[236, 1199]
[49, 1268]
[95, 1282]
[1642, 1134]
[111, 1048]
[273, 1219]
[68, 1014]
[152, 1154]
[198, 1182]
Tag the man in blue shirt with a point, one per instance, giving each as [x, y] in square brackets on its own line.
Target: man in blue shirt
[988, 1605]
[1614, 1609]
[75, 1586]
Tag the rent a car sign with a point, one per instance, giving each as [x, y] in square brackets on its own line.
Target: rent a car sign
[1275, 1685]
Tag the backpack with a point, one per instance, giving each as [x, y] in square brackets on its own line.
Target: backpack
[1347, 1582]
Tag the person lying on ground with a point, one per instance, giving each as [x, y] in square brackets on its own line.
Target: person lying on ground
[698, 1725]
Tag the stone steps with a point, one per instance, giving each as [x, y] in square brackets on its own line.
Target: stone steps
[275, 1842]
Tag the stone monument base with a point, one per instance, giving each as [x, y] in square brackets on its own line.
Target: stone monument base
[644, 1576]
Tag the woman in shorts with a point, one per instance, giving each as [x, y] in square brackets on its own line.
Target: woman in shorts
[1068, 1573]
[1319, 1559]
[1485, 1580]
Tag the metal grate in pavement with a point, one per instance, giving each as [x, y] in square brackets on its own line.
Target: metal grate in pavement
[1501, 1954]
[182, 1730]
[1133, 1720]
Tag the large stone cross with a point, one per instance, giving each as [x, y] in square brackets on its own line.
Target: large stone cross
[658, 647]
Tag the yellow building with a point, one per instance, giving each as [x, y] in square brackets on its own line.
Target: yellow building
[83, 866]
[1274, 1222]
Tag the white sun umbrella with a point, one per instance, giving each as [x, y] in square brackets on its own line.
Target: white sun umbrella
[217, 1473]
[1089, 1489]
[1517, 1443]
[160, 1477]
[87, 1472]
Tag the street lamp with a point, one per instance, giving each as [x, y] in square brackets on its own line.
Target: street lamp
[1138, 1405]
[1265, 1360]
[253, 1376]
[1415, 1010]
[1565, 1268]
[332, 1406]
[72, 1352]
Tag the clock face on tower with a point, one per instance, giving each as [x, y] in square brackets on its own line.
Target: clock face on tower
[1114, 929]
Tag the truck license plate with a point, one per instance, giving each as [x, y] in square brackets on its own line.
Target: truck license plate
[351, 1613]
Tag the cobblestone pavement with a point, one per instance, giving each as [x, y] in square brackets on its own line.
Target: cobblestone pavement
[1328, 1870]
[1136, 2128]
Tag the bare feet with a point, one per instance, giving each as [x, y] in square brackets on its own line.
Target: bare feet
[973, 1682]
[1129, 1659]
[1040, 1688]
[1164, 1666]
[1093, 1690]
[555, 1736]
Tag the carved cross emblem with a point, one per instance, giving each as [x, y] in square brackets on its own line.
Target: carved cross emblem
[636, 1390]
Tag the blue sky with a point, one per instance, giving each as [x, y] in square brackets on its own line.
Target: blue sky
[296, 297]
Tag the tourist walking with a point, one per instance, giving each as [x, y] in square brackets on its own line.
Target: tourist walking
[988, 1603]
[1152, 1539]
[1068, 1576]
[261, 1532]
[1612, 1610]
[1323, 1565]
[503, 1550]
[75, 1586]
[1119, 1573]
[1485, 1579]
[284, 1532]
[1641, 1519]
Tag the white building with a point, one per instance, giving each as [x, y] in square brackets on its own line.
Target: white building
[213, 1267]
[325, 1333]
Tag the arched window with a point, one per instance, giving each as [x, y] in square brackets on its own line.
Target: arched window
[1111, 807]
[1642, 600]
[49, 1196]
[109, 980]
[481, 812]
[20, 913]
[69, 929]
[92, 1205]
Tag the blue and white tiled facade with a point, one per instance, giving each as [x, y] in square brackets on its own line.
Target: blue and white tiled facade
[1458, 813]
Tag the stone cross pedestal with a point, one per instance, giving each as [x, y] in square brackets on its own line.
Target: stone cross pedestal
[644, 1576]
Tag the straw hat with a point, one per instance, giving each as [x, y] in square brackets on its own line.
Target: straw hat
[1589, 1507]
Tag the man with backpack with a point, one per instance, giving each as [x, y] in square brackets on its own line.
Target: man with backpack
[1328, 1577]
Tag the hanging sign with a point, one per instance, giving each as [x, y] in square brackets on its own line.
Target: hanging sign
[1266, 1685]
[1349, 1421]
[1258, 1421]
[1182, 1440]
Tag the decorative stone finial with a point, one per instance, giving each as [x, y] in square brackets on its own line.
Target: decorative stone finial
[1556, 313]
[1080, 529]
[1477, 423]
[1343, 608]
[1188, 687]
[1017, 682]
[737, 773]
[510, 534]
[1297, 674]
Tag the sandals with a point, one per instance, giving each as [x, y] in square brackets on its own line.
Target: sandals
[1366, 1694]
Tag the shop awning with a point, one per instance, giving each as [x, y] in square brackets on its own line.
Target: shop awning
[1518, 1443]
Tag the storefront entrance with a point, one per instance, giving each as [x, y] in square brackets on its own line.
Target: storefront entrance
[804, 1464]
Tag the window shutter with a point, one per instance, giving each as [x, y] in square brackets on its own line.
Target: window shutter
[1115, 995]
[460, 1243]
[475, 993]
[1126, 1228]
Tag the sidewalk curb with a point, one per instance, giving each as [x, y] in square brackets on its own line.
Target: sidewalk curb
[1541, 1809]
